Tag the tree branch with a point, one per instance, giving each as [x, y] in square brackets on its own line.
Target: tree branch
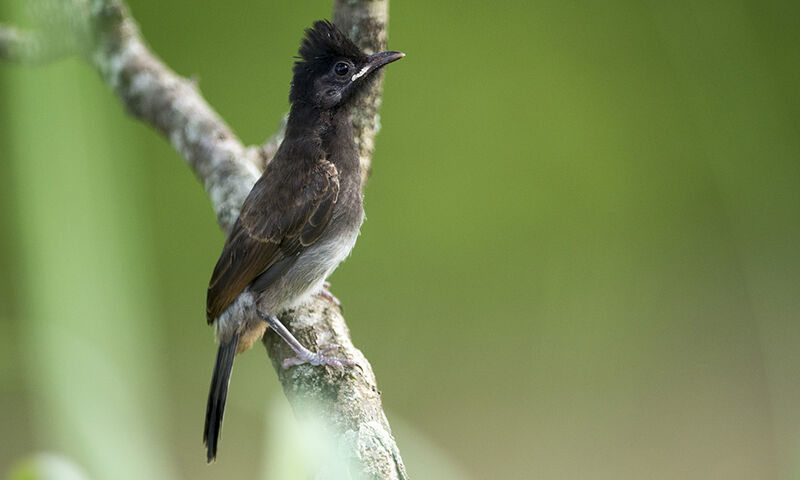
[175, 107]
[348, 402]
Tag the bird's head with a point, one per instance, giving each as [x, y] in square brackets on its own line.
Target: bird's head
[331, 68]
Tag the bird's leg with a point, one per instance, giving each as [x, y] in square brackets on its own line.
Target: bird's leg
[325, 292]
[304, 355]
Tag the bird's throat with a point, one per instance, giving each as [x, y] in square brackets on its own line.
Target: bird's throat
[305, 119]
[329, 130]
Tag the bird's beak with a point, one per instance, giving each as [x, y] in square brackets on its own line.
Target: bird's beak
[380, 59]
[376, 61]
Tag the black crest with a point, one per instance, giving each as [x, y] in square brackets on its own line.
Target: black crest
[323, 44]
[323, 40]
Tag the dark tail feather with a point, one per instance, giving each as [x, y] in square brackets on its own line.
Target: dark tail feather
[217, 395]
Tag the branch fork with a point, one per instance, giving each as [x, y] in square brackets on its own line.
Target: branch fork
[105, 34]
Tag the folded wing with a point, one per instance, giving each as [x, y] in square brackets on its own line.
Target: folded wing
[275, 224]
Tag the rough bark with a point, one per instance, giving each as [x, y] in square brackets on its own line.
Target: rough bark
[346, 401]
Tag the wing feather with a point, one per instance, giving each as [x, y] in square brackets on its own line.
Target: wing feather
[274, 224]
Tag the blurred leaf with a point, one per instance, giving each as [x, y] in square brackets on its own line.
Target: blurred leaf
[298, 449]
[47, 466]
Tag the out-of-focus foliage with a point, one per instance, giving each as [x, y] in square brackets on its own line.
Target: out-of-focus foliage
[46, 467]
[580, 260]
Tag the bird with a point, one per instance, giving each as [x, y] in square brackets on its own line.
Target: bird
[301, 218]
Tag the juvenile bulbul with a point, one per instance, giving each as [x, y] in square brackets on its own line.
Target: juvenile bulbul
[301, 218]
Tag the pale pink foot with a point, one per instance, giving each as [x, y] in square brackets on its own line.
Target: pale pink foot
[304, 355]
[319, 358]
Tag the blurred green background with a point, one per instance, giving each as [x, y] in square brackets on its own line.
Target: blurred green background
[581, 258]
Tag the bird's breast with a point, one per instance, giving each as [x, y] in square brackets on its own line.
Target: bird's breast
[336, 242]
[315, 263]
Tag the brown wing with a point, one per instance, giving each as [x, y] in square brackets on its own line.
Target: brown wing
[281, 216]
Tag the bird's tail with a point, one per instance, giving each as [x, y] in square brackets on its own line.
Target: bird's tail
[217, 395]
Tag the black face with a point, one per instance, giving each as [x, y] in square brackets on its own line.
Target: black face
[332, 68]
[335, 85]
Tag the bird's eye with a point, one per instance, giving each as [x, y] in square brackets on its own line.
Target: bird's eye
[341, 68]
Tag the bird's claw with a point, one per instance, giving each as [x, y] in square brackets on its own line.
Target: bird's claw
[319, 358]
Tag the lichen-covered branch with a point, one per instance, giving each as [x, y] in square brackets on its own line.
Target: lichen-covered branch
[347, 401]
[174, 106]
